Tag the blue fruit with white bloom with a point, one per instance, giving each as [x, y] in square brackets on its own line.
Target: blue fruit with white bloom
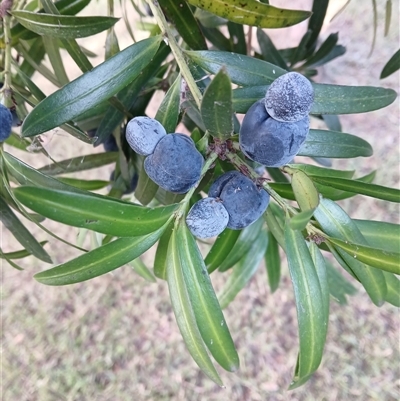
[6, 120]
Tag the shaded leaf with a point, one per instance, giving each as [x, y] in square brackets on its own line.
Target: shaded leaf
[388, 16]
[63, 26]
[19, 254]
[244, 270]
[326, 47]
[87, 185]
[252, 13]
[146, 188]
[140, 268]
[184, 313]
[312, 171]
[300, 220]
[393, 289]
[380, 234]
[216, 106]
[273, 262]
[99, 261]
[97, 213]
[391, 66]
[339, 287]
[90, 89]
[161, 257]
[269, 51]
[316, 21]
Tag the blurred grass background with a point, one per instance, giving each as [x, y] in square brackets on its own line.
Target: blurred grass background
[115, 338]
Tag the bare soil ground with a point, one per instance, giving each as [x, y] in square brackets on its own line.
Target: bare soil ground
[115, 338]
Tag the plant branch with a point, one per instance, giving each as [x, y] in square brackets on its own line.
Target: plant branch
[5, 6]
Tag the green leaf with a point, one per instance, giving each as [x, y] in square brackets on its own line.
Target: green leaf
[99, 261]
[53, 52]
[17, 142]
[275, 227]
[244, 270]
[146, 188]
[355, 186]
[379, 258]
[97, 213]
[273, 262]
[328, 99]
[305, 192]
[90, 89]
[300, 51]
[242, 245]
[23, 253]
[321, 143]
[86, 185]
[322, 172]
[140, 268]
[252, 13]
[339, 287]
[323, 51]
[268, 50]
[168, 112]
[311, 313]
[209, 317]
[161, 258]
[391, 66]
[184, 314]
[316, 21]
[63, 26]
[380, 234]
[300, 220]
[216, 106]
[388, 16]
[21, 233]
[237, 37]
[242, 70]
[393, 289]
[180, 14]
[336, 223]
[221, 248]
[80, 163]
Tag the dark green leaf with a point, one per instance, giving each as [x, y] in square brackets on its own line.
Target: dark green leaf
[379, 258]
[237, 37]
[323, 51]
[63, 26]
[161, 258]
[87, 185]
[273, 262]
[336, 52]
[53, 52]
[339, 287]
[21, 233]
[252, 13]
[393, 289]
[146, 188]
[216, 106]
[244, 270]
[140, 268]
[328, 99]
[391, 66]
[275, 227]
[184, 313]
[301, 50]
[209, 317]
[168, 112]
[269, 51]
[242, 245]
[336, 223]
[17, 142]
[380, 234]
[180, 14]
[97, 213]
[375, 191]
[90, 89]
[19, 254]
[321, 143]
[221, 248]
[313, 171]
[316, 21]
[277, 175]
[311, 314]
[217, 38]
[99, 261]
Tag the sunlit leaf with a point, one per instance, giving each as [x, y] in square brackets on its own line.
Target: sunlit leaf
[380, 234]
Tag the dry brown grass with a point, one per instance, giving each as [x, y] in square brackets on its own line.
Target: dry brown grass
[115, 338]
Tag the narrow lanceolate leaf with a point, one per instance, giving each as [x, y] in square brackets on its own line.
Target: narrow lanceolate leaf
[380, 234]
[393, 289]
[268, 50]
[97, 213]
[161, 258]
[323, 51]
[312, 171]
[99, 261]
[146, 189]
[180, 14]
[273, 262]
[90, 89]
[252, 13]
[242, 70]
[328, 99]
[63, 26]
[311, 312]
[373, 190]
[168, 112]
[391, 66]
[336, 223]
[304, 191]
[209, 317]
[18, 254]
[222, 246]
[242, 245]
[244, 270]
[339, 287]
[184, 313]
[86, 185]
[80, 163]
[21, 233]
[300, 220]
[321, 143]
[316, 21]
[379, 258]
[140, 268]
[216, 106]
